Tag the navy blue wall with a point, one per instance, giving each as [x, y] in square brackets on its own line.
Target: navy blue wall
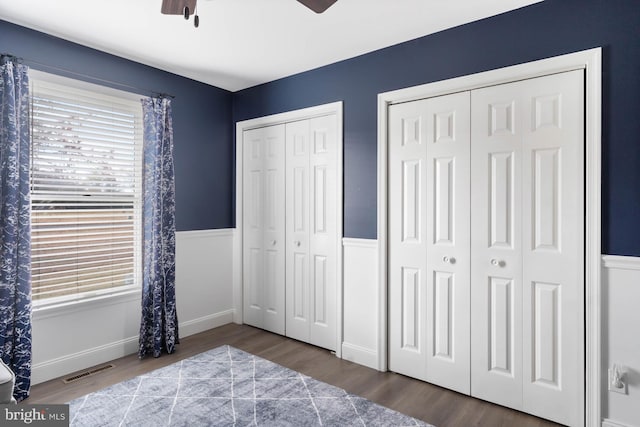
[550, 28]
[203, 116]
[203, 149]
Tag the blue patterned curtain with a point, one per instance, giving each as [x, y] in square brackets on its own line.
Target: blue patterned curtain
[15, 228]
[159, 325]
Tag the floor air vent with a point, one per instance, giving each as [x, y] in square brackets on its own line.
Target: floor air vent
[88, 373]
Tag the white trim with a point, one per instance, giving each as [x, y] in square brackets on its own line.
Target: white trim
[206, 234]
[589, 60]
[359, 243]
[275, 119]
[201, 324]
[621, 262]
[237, 252]
[606, 422]
[291, 116]
[360, 355]
[383, 105]
[70, 82]
[73, 306]
[592, 60]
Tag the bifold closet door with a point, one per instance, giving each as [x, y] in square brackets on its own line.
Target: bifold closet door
[527, 226]
[507, 236]
[429, 240]
[263, 227]
[311, 229]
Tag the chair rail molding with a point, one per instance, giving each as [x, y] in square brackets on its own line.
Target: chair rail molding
[621, 262]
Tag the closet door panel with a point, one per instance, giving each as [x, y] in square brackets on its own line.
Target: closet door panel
[496, 240]
[298, 315]
[253, 252]
[553, 247]
[528, 243]
[429, 240]
[408, 239]
[447, 241]
[312, 231]
[323, 236]
[263, 225]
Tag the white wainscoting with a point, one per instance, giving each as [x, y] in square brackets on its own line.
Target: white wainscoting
[621, 338]
[80, 335]
[360, 302]
[204, 279]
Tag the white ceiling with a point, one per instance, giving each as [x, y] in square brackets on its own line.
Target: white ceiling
[242, 43]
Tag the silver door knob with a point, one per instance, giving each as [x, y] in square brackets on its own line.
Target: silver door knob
[298, 243]
[449, 260]
[273, 243]
[497, 263]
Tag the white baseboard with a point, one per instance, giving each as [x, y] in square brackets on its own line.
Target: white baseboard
[610, 423]
[237, 318]
[360, 355]
[67, 364]
[205, 323]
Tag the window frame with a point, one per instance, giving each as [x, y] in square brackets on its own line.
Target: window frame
[80, 87]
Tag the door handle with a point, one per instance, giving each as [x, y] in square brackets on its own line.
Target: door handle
[498, 262]
[298, 243]
[449, 260]
[273, 243]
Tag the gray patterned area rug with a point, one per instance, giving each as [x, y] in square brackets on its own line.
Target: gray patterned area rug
[229, 387]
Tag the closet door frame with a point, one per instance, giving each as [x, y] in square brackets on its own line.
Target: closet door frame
[591, 62]
[335, 108]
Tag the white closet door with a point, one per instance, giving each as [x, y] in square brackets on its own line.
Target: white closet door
[429, 240]
[407, 239]
[496, 245]
[448, 240]
[323, 237]
[553, 247]
[298, 221]
[312, 231]
[527, 236]
[264, 228]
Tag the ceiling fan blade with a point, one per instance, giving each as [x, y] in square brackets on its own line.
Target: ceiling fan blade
[318, 6]
[176, 7]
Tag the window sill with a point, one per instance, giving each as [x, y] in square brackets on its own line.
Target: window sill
[63, 308]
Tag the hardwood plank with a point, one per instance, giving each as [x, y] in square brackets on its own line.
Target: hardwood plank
[418, 399]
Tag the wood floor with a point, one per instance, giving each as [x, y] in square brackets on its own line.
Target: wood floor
[427, 402]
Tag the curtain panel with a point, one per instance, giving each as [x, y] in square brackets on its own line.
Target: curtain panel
[15, 228]
[159, 325]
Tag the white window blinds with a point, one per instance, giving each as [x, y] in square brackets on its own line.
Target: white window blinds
[86, 187]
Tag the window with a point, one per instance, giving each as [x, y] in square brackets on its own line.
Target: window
[86, 186]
